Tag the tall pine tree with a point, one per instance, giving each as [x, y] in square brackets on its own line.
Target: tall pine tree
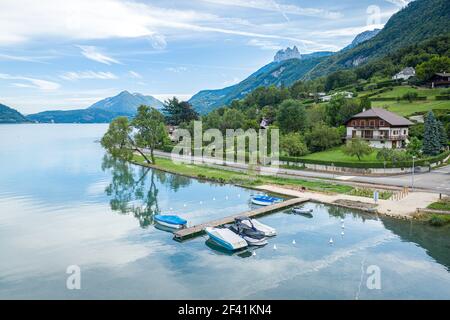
[431, 137]
[442, 135]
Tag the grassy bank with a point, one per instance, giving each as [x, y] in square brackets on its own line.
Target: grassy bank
[443, 204]
[239, 178]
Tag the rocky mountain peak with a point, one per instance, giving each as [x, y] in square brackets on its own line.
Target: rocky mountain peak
[286, 54]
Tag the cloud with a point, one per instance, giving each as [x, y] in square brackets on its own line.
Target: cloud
[24, 58]
[31, 82]
[283, 9]
[343, 32]
[264, 44]
[399, 3]
[135, 74]
[105, 19]
[94, 54]
[176, 69]
[88, 75]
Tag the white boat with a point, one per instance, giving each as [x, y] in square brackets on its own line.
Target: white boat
[268, 231]
[302, 211]
[263, 200]
[226, 238]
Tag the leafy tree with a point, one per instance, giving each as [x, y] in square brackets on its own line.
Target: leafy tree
[426, 70]
[414, 147]
[357, 147]
[315, 114]
[232, 119]
[177, 112]
[339, 109]
[293, 144]
[339, 79]
[410, 96]
[151, 129]
[291, 116]
[392, 155]
[431, 137]
[118, 142]
[442, 135]
[365, 103]
[322, 137]
[417, 130]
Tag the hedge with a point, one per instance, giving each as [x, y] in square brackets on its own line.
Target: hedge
[367, 165]
[443, 97]
[421, 98]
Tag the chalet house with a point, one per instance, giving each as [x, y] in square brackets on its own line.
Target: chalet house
[345, 94]
[440, 80]
[405, 74]
[380, 128]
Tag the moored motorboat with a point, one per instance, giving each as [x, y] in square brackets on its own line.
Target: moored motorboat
[304, 211]
[226, 238]
[268, 231]
[263, 200]
[250, 234]
[171, 221]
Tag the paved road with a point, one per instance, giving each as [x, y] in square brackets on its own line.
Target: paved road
[437, 180]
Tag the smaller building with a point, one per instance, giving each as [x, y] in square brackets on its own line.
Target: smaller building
[440, 80]
[405, 74]
[381, 128]
[345, 94]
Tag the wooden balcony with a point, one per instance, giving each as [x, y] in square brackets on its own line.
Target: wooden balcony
[381, 137]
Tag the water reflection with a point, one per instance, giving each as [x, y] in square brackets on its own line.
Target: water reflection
[134, 189]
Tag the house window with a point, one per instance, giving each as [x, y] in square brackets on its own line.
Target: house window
[353, 123]
[404, 132]
[363, 123]
[381, 123]
[372, 123]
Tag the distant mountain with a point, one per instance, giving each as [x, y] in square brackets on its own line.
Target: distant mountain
[418, 21]
[103, 111]
[281, 72]
[126, 102]
[10, 115]
[75, 116]
[360, 38]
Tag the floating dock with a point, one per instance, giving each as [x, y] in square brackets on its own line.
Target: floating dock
[186, 233]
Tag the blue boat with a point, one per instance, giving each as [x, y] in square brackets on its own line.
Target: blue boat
[170, 221]
[264, 200]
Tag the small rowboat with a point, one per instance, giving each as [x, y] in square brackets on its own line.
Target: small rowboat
[170, 221]
[265, 200]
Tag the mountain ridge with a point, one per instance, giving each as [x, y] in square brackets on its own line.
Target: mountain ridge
[10, 115]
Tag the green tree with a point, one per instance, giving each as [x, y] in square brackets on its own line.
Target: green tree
[291, 116]
[426, 70]
[293, 144]
[322, 137]
[357, 147]
[232, 119]
[442, 135]
[151, 131]
[414, 147]
[431, 136]
[365, 103]
[177, 112]
[117, 139]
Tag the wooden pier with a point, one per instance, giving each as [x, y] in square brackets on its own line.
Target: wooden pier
[185, 233]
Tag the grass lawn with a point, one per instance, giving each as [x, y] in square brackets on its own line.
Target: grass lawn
[406, 108]
[401, 90]
[336, 154]
[441, 205]
[245, 179]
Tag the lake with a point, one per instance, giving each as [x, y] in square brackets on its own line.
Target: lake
[63, 202]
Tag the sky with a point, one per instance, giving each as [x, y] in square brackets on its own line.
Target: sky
[61, 55]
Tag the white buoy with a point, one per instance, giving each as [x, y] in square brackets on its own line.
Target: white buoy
[331, 241]
[342, 233]
[274, 247]
[184, 205]
[293, 241]
[254, 253]
[342, 220]
[343, 227]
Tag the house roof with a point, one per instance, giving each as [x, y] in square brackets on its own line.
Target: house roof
[387, 116]
[443, 74]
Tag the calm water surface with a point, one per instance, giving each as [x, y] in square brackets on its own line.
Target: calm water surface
[63, 202]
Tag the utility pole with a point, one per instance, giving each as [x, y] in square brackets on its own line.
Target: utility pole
[413, 169]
